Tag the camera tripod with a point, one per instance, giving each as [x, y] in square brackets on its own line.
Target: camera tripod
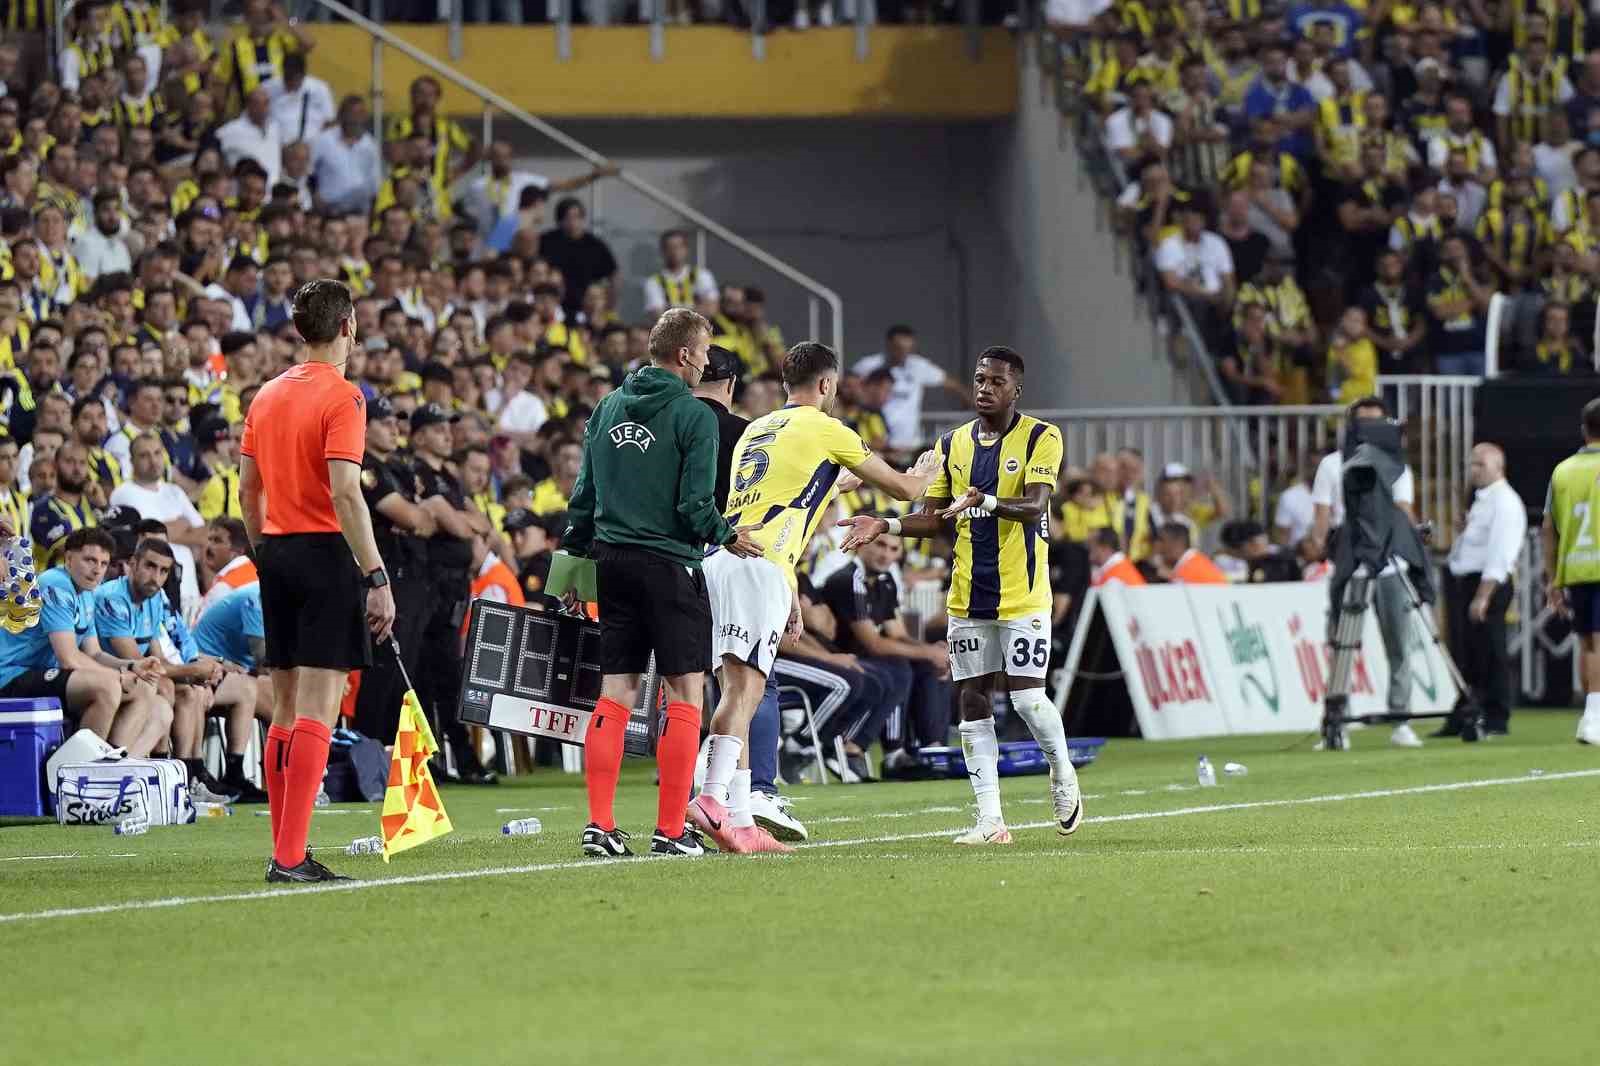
[1349, 619]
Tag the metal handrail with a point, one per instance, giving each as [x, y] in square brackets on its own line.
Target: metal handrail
[383, 36]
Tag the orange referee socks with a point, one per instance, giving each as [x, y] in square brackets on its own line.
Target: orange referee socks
[274, 761]
[308, 759]
[602, 759]
[675, 755]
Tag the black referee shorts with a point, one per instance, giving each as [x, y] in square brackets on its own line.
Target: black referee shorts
[313, 605]
[651, 603]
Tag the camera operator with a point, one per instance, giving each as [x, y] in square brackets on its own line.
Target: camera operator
[1393, 606]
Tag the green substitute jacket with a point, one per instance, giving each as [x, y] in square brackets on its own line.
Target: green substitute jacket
[649, 473]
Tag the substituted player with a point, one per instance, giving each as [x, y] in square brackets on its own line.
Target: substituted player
[786, 468]
[995, 479]
[323, 586]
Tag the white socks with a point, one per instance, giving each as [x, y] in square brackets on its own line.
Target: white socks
[722, 760]
[739, 799]
[1045, 725]
[1591, 704]
[981, 749]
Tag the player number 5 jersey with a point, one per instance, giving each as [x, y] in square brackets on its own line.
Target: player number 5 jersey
[1002, 568]
[784, 469]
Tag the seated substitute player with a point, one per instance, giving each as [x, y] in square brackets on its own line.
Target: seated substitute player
[786, 466]
[135, 618]
[61, 656]
[1000, 469]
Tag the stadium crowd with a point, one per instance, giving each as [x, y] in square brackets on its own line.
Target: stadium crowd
[1336, 190]
[162, 201]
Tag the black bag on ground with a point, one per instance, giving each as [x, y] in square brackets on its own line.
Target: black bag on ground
[358, 770]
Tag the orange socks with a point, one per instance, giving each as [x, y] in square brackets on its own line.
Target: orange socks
[602, 760]
[675, 755]
[274, 761]
[308, 759]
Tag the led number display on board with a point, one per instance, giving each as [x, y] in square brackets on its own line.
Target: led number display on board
[538, 673]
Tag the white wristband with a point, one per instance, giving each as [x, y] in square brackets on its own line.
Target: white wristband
[989, 504]
[894, 526]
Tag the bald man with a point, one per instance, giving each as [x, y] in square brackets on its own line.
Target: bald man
[1482, 563]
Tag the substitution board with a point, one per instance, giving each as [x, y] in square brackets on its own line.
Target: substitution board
[537, 673]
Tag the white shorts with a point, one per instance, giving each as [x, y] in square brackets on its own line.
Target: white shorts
[750, 601]
[1018, 647]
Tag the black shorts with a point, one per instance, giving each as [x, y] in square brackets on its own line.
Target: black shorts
[313, 604]
[651, 603]
[1585, 603]
[39, 685]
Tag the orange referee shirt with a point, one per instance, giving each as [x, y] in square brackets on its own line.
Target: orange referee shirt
[299, 420]
[1194, 568]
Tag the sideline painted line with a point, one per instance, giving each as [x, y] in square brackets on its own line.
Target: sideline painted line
[593, 864]
[1336, 797]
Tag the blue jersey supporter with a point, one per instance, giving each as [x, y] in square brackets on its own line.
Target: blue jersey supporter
[232, 629]
[65, 607]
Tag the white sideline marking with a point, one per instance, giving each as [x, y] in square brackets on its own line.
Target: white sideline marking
[594, 864]
[69, 855]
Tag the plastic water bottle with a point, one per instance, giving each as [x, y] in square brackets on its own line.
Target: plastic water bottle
[131, 827]
[1205, 774]
[365, 846]
[522, 827]
[212, 810]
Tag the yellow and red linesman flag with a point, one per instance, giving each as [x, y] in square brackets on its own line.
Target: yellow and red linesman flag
[412, 813]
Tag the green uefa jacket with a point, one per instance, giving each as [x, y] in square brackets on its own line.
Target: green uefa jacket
[649, 473]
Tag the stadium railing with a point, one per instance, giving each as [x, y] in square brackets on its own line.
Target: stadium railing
[817, 294]
[1252, 452]
[1539, 636]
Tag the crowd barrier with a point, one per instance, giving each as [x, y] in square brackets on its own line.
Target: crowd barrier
[1221, 660]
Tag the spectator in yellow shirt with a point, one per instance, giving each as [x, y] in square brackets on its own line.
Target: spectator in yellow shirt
[551, 494]
[219, 495]
[1352, 359]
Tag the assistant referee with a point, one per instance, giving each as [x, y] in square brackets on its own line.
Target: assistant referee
[323, 586]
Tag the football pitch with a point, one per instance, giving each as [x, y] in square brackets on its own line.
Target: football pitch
[1374, 906]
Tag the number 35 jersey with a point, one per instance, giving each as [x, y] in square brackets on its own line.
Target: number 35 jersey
[1002, 568]
[784, 470]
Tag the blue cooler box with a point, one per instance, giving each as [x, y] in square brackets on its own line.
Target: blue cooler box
[29, 731]
[1017, 757]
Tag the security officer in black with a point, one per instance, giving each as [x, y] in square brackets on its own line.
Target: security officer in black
[532, 542]
[438, 676]
[401, 527]
[716, 392]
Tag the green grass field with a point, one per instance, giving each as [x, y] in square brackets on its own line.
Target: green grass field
[1375, 906]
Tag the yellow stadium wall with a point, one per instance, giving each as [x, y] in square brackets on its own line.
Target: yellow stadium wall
[915, 73]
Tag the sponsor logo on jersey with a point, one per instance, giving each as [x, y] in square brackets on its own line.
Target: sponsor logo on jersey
[736, 631]
[632, 433]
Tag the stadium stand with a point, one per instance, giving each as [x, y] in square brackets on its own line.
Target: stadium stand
[1424, 171]
[167, 187]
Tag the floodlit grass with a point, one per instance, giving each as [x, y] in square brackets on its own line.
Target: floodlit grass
[1449, 926]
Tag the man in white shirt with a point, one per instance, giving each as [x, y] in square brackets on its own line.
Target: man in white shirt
[1391, 599]
[1197, 263]
[253, 135]
[1139, 131]
[913, 374]
[522, 412]
[346, 161]
[301, 104]
[100, 250]
[679, 282]
[1482, 564]
[149, 493]
[492, 195]
[1529, 89]
[1295, 513]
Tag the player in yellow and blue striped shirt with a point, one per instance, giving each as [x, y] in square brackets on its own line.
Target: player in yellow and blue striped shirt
[996, 476]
